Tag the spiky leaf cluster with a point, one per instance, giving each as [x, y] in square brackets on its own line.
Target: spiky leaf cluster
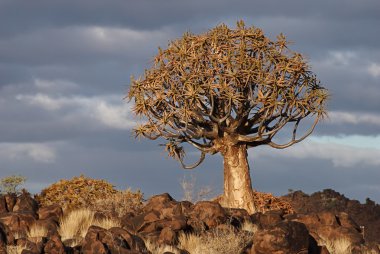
[226, 82]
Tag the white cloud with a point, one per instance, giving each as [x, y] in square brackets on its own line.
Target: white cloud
[339, 150]
[35, 151]
[374, 70]
[341, 57]
[54, 85]
[339, 117]
[110, 111]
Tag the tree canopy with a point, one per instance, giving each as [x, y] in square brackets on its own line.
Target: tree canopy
[226, 82]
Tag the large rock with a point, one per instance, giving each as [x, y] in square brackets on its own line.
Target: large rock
[329, 226]
[133, 242]
[268, 219]
[25, 203]
[18, 222]
[53, 212]
[3, 205]
[54, 245]
[286, 237]
[210, 213]
[113, 241]
[10, 200]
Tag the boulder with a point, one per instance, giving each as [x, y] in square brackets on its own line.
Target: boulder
[167, 236]
[158, 202]
[54, 245]
[25, 203]
[53, 212]
[10, 200]
[287, 237]
[210, 213]
[133, 242]
[268, 219]
[327, 225]
[3, 205]
[92, 244]
[18, 222]
[34, 247]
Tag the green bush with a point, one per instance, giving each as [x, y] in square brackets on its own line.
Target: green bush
[11, 183]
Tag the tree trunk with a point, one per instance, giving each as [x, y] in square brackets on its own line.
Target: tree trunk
[237, 180]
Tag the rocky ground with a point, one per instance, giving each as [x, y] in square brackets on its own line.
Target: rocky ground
[318, 220]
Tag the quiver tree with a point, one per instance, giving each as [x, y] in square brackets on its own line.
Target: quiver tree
[223, 92]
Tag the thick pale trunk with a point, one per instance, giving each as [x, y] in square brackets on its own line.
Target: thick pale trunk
[237, 180]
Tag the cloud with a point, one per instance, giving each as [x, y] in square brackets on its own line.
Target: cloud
[374, 70]
[110, 111]
[341, 152]
[355, 118]
[19, 151]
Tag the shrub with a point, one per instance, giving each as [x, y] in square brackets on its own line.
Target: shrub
[217, 241]
[75, 193]
[120, 203]
[11, 183]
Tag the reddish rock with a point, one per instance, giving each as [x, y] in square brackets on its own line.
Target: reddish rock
[3, 205]
[211, 213]
[94, 247]
[3, 236]
[34, 247]
[53, 212]
[367, 214]
[18, 222]
[50, 224]
[92, 244]
[158, 202]
[25, 203]
[10, 200]
[287, 237]
[133, 242]
[327, 225]
[54, 245]
[6, 237]
[167, 236]
[268, 219]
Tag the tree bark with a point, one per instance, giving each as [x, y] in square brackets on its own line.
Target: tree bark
[238, 191]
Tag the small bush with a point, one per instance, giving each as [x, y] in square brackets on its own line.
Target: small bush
[76, 193]
[217, 241]
[75, 224]
[120, 203]
[11, 183]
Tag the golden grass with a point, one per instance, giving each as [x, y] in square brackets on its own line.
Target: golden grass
[37, 231]
[15, 249]
[249, 227]
[218, 241]
[159, 249]
[75, 224]
[338, 246]
[107, 223]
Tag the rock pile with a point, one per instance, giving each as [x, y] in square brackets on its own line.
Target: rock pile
[163, 219]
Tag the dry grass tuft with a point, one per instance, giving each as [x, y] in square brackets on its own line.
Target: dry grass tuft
[15, 249]
[159, 249]
[107, 223]
[75, 224]
[249, 227]
[217, 241]
[37, 231]
[338, 246]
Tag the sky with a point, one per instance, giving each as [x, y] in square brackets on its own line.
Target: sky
[65, 68]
